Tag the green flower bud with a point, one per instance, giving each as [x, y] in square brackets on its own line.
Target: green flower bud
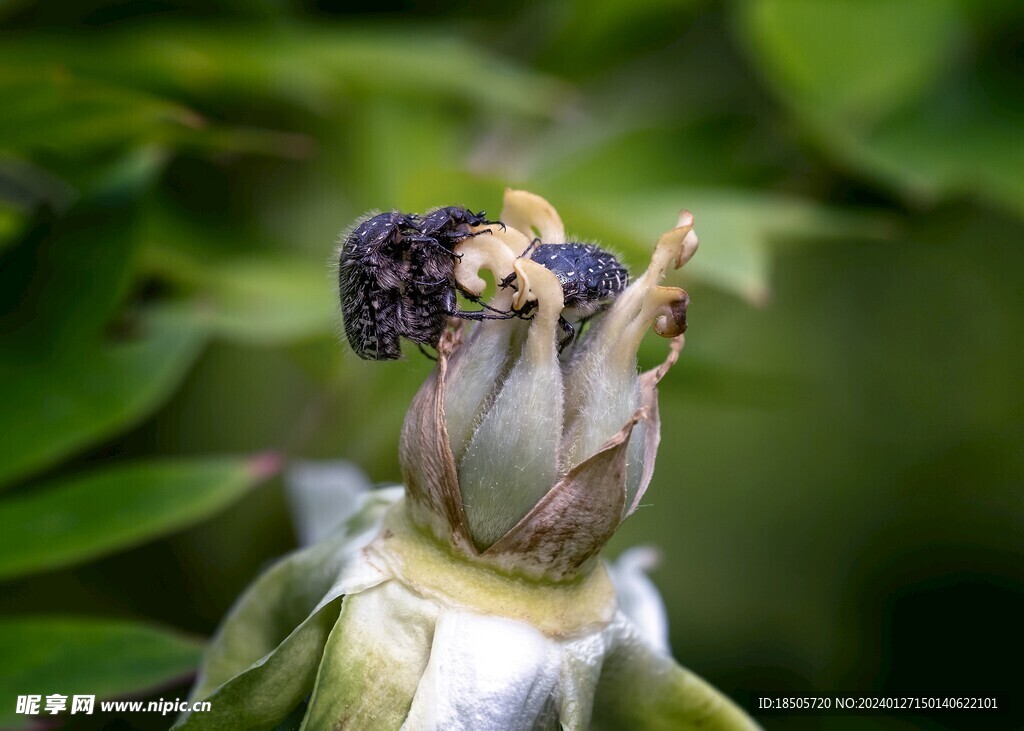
[474, 598]
[521, 457]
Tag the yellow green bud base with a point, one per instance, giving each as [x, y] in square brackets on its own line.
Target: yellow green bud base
[437, 571]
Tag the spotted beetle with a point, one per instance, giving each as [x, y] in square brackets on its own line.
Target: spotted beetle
[591, 279]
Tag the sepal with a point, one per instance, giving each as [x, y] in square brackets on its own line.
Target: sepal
[642, 689]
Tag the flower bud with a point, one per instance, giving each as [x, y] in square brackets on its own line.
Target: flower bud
[474, 599]
[520, 423]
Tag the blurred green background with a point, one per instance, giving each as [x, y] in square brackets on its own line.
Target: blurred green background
[838, 496]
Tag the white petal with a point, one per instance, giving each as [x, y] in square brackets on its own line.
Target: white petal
[638, 597]
[321, 495]
[359, 572]
[581, 669]
[486, 674]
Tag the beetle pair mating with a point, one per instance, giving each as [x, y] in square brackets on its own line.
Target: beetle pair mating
[396, 278]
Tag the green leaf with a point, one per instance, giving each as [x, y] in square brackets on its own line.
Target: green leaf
[55, 403]
[931, 154]
[404, 156]
[13, 223]
[77, 519]
[78, 655]
[48, 110]
[256, 296]
[27, 188]
[736, 229]
[880, 86]
[309, 66]
[64, 283]
[644, 690]
[73, 122]
[856, 58]
[263, 298]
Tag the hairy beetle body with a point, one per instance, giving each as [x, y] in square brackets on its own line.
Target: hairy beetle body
[396, 278]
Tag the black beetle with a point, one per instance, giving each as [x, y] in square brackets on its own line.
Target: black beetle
[396, 278]
[591, 279]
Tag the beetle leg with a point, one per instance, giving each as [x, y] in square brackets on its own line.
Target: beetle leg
[426, 354]
[570, 333]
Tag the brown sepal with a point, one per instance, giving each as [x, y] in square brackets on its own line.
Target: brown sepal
[574, 520]
[649, 405]
[428, 467]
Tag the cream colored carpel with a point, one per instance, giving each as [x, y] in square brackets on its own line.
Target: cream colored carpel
[533, 216]
[484, 250]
